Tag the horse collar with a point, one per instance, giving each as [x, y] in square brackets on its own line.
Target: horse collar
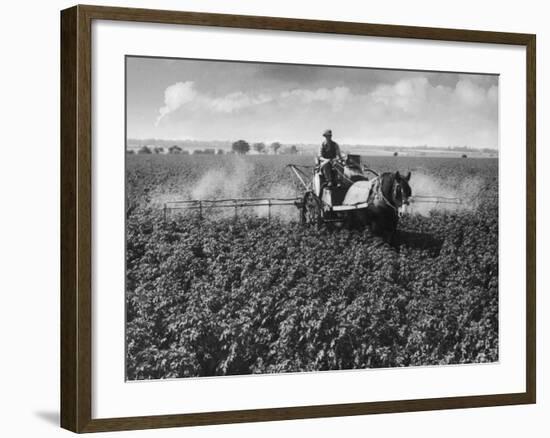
[394, 191]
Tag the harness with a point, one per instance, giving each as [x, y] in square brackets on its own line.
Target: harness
[377, 195]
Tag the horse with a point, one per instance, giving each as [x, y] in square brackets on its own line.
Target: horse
[388, 196]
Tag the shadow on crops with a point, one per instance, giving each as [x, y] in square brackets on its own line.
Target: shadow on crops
[419, 241]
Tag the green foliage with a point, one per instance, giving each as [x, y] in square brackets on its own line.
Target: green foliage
[145, 150]
[242, 296]
[259, 147]
[240, 147]
[292, 150]
[275, 146]
[175, 149]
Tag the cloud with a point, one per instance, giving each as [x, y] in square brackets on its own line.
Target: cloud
[415, 111]
[181, 94]
[483, 80]
[174, 97]
[410, 110]
[235, 101]
[470, 93]
[418, 96]
[335, 97]
[492, 94]
[405, 95]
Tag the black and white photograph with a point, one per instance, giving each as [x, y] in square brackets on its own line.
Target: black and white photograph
[278, 219]
[285, 218]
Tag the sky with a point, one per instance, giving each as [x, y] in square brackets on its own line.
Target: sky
[184, 99]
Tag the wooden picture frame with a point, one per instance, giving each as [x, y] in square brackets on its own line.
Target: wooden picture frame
[76, 218]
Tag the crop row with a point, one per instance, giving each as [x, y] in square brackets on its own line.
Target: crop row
[244, 296]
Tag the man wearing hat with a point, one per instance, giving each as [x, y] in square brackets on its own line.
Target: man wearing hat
[328, 151]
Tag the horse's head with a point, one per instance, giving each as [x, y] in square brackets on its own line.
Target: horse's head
[401, 191]
[396, 190]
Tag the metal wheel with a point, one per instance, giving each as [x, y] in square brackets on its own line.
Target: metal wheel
[311, 210]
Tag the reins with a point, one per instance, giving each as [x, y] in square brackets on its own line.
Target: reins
[381, 193]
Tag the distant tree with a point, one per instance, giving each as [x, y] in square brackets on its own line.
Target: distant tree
[144, 150]
[292, 150]
[209, 151]
[130, 151]
[220, 152]
[175, 149]
[275, 146]
[240, 147]
[464, 156]
[158, 150]
[259, 147]
[395, 154]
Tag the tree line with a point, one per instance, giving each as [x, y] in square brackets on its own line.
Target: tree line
[240, 147]
[243, 147]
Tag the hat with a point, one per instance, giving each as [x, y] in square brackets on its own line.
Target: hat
[327, 133]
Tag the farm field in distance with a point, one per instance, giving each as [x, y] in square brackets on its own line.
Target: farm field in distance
[228, 296]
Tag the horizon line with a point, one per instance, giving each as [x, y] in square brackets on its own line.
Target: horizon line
[352, 144]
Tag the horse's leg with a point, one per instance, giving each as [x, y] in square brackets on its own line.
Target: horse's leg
[374, 227]
[351, 221]
[393, 229]
[362, 219]
[390, 237]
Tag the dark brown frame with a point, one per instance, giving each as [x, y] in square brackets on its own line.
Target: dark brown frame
[76, 237]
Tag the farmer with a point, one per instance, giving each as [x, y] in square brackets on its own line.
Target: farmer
[328, 151]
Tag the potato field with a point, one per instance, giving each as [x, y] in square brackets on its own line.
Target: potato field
[244, 294]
